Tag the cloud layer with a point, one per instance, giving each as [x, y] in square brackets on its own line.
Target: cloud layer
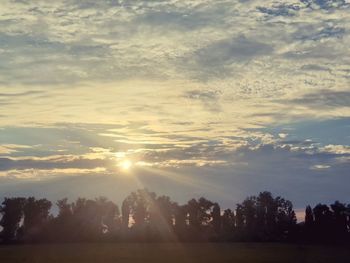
[249, 94]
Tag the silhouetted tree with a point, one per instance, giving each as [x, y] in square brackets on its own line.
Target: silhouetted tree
[199, 217]
[264, 218]
[286, 219]
[249, 213]
[162, 217]
[126, 209]
[347, 213]
[216, 216]
[12, 214]
[93, 218]
[180, 214]
[158, 218]
[63, 224]
[228, 224]
[308, 233]
[140, 204]
[153, 216]
[323, 222]
[340, 228]
[110, 217]
[193, 213]
[86, 220]
[309, 217]
[239, 217]
[36, 216]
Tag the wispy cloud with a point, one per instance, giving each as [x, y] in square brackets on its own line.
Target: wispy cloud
[325, 98]
[251, 91]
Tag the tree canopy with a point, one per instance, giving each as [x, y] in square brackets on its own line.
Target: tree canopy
[146, 217]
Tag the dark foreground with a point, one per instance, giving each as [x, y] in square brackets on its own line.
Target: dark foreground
[179, 253]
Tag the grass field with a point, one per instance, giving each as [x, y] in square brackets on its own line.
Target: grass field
[167, 253]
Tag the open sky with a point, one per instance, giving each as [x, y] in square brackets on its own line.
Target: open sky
[220, 99]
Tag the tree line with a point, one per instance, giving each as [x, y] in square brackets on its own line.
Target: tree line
[146, 217]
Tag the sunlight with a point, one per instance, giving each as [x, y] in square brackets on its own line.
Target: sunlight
[187, 180]
[125, 165]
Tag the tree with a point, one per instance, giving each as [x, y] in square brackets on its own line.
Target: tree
[64, 209]
[199, 218]
[249, 216]
[228, 224]
[140, 202]
[216, 216]
[110, 216]
[309, 217]
[157, 218]
[153, 217]
[267, 208]
[308, 234]
[239, 217]
[85, 220]
[180, 215]
[162, 217]
[36, 215]
[12, 214]
[340, 229]
[62, 224]
[265, 218]
[94, 218]
[323, 222]
[347, 213]
[193, 213]
[286, 219]
[126, 213]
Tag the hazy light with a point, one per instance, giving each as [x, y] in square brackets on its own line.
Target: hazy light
[119, 154]
[126, 165]
[141, 163]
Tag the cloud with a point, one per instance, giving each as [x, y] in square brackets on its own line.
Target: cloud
[280, 10]
[308, 132]
[20, 94]
[12, 148]
[325, 4]
[226, 93]
[215, 57]
[337, 149]
[56, 162]
[312, 32]
[254, 160]
[209, 99]
[320, 167]
[314, 67]
[324, 98]
[173, 20]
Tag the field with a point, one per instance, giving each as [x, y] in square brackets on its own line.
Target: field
[179, 253]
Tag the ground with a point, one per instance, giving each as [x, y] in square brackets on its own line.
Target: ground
[179, 253]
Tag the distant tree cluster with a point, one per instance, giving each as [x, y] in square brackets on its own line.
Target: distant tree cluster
[327, 223]
[146, 217]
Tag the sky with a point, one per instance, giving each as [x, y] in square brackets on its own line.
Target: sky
[221, 99]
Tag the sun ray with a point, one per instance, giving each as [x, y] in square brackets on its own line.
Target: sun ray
[174, 176]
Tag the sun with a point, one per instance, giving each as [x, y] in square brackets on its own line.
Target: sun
[126, 165]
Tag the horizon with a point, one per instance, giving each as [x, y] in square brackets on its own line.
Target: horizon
[220, 99]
